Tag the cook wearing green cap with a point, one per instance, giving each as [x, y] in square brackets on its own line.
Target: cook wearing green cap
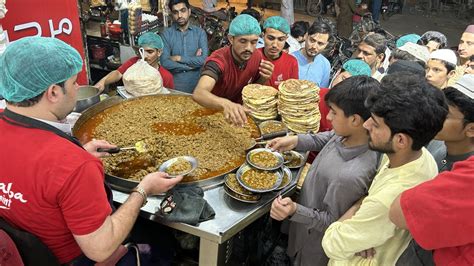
[276, 30]
[229, 69]
[56, 188]
[153, 48]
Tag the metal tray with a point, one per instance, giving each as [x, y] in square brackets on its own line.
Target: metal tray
[226, 182]
[237, 197]
[276, 154]
[286, 171]
[300, 157]
[127, 185]
[164, 166]
[244, 168]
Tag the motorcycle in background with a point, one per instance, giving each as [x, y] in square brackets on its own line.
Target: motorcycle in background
[390, 8]
[215, 24]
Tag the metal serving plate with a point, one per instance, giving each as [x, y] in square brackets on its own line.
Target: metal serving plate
[244, 168]
[276, 154]
[193, 161]
[238, 197]
[287, 172]
[296, 156]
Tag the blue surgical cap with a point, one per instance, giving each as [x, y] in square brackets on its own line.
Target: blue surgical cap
[277, 23]
[244, 25]
[31, 64]
[151, 40]
[357, 67]
[407, 38]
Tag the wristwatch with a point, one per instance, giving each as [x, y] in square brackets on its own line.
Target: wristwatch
[142, 192]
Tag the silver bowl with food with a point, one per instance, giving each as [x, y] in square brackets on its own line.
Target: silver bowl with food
[264, 159]
[181, 165]
[259, 181]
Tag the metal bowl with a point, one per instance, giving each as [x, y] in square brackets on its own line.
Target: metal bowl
[227, 183]
[285, 183]
[296, 156]
[164, 167]
[86, 97]
[244, 168]
[276, 154]
[267, 123]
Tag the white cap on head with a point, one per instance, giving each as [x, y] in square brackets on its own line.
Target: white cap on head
[447, 55]
[420, 52]
[466, 85]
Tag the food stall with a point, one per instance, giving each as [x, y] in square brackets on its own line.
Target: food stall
[232, 213]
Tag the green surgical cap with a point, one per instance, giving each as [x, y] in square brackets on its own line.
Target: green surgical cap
[277, 23]
[151, 40]
[31, 64]
[357, 67]
[244, 25]
[407, 38]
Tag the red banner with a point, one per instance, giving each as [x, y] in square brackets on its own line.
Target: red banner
[47, 18]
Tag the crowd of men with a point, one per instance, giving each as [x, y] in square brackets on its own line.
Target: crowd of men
[391, 184]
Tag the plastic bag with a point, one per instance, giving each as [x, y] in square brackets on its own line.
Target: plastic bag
[142, 79]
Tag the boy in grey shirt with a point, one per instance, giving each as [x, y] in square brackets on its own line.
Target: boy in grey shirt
[339, 176]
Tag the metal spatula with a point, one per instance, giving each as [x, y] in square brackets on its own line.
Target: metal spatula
[139, 147]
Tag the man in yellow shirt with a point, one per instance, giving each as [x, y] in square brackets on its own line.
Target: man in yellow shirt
[405, 115]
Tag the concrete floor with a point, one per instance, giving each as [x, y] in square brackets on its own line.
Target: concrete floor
[398, 24]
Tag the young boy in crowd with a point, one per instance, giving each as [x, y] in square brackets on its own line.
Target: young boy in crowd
[441, 67]
[339, 176]
[458, 128]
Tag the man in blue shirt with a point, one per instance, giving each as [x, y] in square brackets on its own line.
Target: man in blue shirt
[185, 47]
[312, 65]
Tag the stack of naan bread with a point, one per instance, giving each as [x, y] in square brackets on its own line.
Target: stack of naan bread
[298, 105]
[261, 100]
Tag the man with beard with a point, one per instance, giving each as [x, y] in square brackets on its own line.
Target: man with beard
[372, 51]
[276, 31]
[230, 68]
[405, 115]
[465, 52]
[153, 47]
[58, 183]
[185, 47]
[313, 66]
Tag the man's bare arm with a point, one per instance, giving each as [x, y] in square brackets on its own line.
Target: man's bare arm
[100, 244]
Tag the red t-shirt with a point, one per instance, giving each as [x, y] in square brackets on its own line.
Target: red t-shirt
[440, 214]
[233, 79]
[285, 67]
[165, 74]
[324, 124]
[50, 188]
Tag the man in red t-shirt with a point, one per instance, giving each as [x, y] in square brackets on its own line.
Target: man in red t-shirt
[153, 46]
[50, 185]
[276, 30]
[440, 214]
[229, 69]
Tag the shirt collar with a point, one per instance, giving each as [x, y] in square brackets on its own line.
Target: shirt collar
[351, 152]
[64, 127]
[175, 25]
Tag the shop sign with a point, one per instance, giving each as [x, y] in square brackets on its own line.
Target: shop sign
[47, 18]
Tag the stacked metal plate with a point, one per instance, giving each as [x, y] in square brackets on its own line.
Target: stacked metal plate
[298, 105]
[261, 100]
